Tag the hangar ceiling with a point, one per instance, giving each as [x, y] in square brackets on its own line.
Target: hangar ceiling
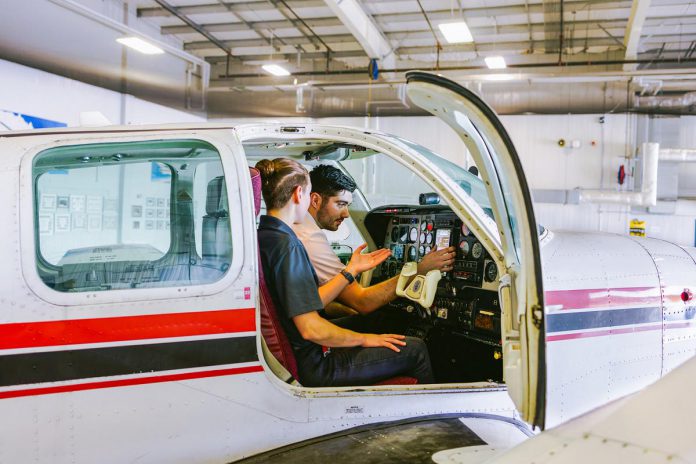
[562, 55]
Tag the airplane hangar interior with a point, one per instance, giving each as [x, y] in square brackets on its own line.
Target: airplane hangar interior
[347, 231]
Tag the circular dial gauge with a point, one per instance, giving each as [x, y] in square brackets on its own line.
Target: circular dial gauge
[413, 234]
[423, 225]
[465, 230]
[392, 268]
[421, 250]
[422, 237]
[412, 253]
[430, 225]
[427, 250]
[429, 238]
[395, 234]
[476, 250]
[491, 272]
[464, 247]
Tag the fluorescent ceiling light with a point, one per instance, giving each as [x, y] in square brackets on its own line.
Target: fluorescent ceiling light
[275, 69]
[140, 45]
[495, 62]
[456, 32]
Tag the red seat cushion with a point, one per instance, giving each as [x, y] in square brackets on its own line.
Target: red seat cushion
[401, 380]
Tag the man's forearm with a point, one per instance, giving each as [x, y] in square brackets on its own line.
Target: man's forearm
[327, 334]
[368, 299]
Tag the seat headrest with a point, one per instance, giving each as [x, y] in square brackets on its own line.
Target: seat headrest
[216, 199]
[256, 186]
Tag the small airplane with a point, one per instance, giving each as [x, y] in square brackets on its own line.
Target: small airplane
[134, 326]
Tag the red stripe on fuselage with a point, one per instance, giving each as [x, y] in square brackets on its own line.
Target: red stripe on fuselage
[600, 298]
[116, 329]
[129, 382]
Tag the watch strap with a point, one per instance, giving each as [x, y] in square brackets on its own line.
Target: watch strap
[349, 277]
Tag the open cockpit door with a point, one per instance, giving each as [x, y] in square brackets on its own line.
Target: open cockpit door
[521, 292]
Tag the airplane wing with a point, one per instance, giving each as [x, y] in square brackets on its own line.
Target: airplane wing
[651, 426]
[416, 440]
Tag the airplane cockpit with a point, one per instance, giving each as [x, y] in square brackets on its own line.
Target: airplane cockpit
[462, 328]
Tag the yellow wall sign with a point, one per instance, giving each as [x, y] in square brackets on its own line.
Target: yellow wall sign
[637, 228]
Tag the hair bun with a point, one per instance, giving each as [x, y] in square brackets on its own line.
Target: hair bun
[266, 168]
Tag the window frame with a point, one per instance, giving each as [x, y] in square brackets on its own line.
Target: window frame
[230, 152]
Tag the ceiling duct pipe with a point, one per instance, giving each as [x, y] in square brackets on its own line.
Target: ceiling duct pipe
[647, 196]
[679, 155]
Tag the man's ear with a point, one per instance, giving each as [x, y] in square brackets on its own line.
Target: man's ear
[315, 200]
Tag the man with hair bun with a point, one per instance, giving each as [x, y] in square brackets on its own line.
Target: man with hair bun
[332, 193]
[354, 358]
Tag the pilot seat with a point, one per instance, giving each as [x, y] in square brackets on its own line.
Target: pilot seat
[273, 335]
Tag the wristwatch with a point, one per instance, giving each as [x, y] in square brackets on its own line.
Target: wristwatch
[349, 277]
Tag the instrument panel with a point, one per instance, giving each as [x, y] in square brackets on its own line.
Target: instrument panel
[413, 235]
[467, 298]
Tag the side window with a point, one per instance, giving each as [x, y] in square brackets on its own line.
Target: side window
[130, 215]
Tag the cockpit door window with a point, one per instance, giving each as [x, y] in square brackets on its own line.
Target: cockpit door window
[500, 168]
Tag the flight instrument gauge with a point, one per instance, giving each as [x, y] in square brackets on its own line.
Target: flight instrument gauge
[395, 234]
[421, 251]
[422, 237]
[413, 234]
[429, 238]
[427, 250]
[491, 272]
[464, 247]
[423, 225]
[465, 230]
[412, 253]
[477, 250]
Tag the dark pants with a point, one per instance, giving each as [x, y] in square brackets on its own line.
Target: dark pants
[359, 366]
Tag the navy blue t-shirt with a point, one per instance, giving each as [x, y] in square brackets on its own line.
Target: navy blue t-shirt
[291, 281]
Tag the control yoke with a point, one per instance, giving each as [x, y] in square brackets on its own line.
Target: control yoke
[422, 289]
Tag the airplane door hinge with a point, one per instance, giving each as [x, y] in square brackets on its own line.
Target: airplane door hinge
[537, 315]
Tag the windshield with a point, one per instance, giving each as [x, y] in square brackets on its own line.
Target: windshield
[385, 181]
[469, 182]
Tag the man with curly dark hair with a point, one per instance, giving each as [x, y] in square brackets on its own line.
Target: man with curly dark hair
[332, 194]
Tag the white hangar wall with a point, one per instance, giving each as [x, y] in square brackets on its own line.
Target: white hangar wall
[603, 147]
[40, 94]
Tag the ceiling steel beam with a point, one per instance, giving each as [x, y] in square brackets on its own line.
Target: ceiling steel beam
[238, 26]
[639, 11]
[298, 40]
[511, 28]
[236, 7]
[363, 28]
[212, 39]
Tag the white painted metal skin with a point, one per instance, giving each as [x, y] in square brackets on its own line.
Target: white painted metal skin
[649, 427]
